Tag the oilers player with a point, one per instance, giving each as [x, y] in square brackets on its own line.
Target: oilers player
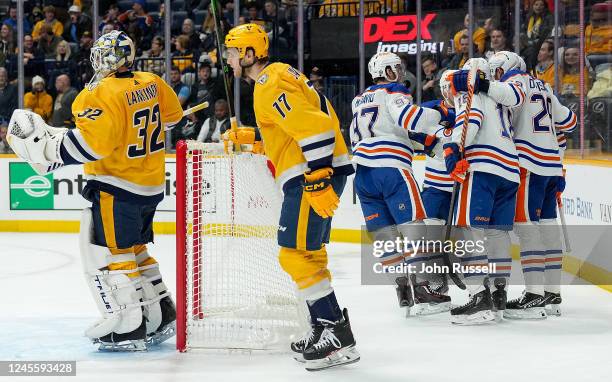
[487, 195]
[538, 118]
[384, 121]
[120, 121]
[302, 138]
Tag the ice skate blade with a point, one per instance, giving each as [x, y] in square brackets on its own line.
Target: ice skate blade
[525, 314]
[553, 310]
[162, 335]
[124, 346]
[499, 315]
[344, 356]
[299, 357]
[428, 309]
[478, 318]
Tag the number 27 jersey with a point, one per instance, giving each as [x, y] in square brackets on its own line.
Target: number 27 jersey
[120, 134]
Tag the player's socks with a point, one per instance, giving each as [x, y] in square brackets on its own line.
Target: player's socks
[335, 347]
[552, 303]
[478, 310]
[529, 306]
[326, 308]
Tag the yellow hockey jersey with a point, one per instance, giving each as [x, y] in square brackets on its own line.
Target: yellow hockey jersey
[120, 134]
[298, 125]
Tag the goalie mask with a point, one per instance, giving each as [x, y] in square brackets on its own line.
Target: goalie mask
[503, 62]
[381, 61]
[110, 52]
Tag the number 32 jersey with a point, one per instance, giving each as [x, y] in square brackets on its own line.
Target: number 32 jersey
[120, 134]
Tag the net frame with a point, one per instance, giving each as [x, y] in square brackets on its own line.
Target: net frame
[264, 321]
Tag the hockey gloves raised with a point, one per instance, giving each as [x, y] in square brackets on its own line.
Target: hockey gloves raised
[460, 82]
[456, 167]
[428, 141]
[242, 136]
[320, 193]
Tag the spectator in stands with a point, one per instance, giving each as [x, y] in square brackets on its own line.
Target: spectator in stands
[76, 25]
[62, 51]
[107, 28]
[215, 125]
[431, 82]
[183, 57]
[8, 96]
[154, 58]
[110, 18]
[11, 20]
[339, 8]
[81, 58]
[253, 11]
[317, 79]
[243, 20]
[48, 41]
[62, 107]
[206, 89]
[4, 145]
[136, 22]
[7, 43]
[570, 73]
[545, 68]
[539, 24]
[33, 58]
[49, 21]
[462, 55]
[188, 30]
[181, 90]
[602, 87]
[498, 43]
[208, 37]
[598, 34]
[478, 35]
[38, 100]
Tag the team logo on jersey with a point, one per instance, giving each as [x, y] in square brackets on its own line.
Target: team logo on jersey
[262, 80]
[447, 132]
[401, 101]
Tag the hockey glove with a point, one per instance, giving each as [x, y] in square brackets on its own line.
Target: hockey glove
[428, 141]
[455, 166]
[320, 193]
[560, 188]
[242, 136]
[460, 82]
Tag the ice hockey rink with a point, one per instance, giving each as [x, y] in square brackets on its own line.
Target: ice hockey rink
[46, 306]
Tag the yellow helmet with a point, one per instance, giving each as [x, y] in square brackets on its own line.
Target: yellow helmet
[248, 36]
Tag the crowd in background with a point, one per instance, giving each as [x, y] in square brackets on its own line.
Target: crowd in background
[58, 39]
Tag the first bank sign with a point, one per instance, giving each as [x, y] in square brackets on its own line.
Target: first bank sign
[397, 34]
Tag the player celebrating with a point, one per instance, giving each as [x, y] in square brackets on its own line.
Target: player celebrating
[537, 117]
[120, 121]
[487, 196]
[383, 119]
[302, 138]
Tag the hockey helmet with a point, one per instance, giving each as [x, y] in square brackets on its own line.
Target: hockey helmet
[481, 65]
[505, 61]
[383, 60]
[446, 87]
[246, 36]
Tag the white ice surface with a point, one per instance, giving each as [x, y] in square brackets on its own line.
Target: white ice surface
[45, 306]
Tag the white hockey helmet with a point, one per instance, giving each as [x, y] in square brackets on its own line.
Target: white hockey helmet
[505, 61]
[383, 60]
[446, 87]
[481, 65]
[523, 65]
[110, 52]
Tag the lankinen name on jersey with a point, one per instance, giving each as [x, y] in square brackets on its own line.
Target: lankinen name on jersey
[141, 95]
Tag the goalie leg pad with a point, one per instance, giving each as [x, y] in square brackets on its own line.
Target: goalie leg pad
[117, 296]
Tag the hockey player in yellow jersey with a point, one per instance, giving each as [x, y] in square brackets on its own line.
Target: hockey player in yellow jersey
[301, 136]
[121, 118]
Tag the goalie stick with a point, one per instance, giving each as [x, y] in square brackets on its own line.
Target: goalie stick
[449, 222]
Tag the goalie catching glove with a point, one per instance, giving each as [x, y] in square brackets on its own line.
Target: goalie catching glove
[319, 192]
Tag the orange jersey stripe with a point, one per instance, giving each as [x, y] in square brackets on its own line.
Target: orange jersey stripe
[540, 156]
[384, 149]
[495, 156]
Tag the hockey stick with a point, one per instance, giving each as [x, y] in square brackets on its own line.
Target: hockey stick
[224, 68]
[451, 212]
[195, 108]
[566, 240]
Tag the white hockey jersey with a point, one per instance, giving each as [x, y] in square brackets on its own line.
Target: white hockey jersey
[488, 145]
[534, 109]
[383, 115]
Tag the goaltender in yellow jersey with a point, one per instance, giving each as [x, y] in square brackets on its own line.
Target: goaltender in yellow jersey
[301, 136]
[121, 118]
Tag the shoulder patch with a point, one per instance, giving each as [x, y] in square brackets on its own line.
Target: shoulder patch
[262, 80]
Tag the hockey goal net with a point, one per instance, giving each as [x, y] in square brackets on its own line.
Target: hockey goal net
[231, 291]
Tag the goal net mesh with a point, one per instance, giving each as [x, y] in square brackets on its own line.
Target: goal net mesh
[231, 288]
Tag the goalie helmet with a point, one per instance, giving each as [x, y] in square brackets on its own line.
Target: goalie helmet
[446, 87]
[247, 36]
[110, 52]
[481, 65]
[504, 61]
[383, 60]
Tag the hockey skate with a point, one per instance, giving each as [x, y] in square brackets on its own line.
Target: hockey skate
[313, 335]
[552, 303]
[499, 298]
[335, 347]
[167, 328]
[426, 300]
[529, 306]
[404, 296]
[124, 342]
[477, 311]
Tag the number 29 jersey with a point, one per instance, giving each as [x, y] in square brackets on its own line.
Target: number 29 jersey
[120, 134]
